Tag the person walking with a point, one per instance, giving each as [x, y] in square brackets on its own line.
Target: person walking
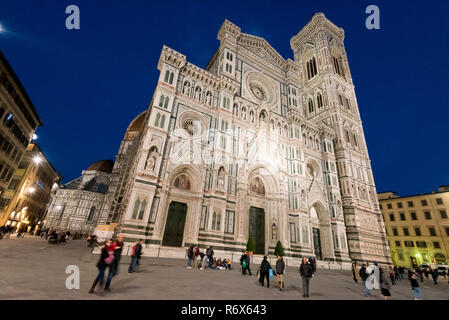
[364, 276]
[401, 272]
[135, 259]
[426, 273]
[396, 273]
[435, 276]
[280, 270]
[265, 271]
[355, 273]
[204, 262]
[243, 262]
[118, 248]
[306, 272]
[190, 255]
[385, 284]
[106, 259]
[420, 274]
[392, 276]
[415, 287]
[210, 256]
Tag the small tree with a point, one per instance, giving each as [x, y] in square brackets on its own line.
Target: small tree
[279, 250]
[250, 246]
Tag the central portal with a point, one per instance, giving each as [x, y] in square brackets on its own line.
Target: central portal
[174, 228]
[257, 228]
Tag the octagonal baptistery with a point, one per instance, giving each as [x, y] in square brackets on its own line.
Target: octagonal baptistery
[254, 146]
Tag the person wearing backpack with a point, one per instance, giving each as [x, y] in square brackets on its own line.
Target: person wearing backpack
[243, 262]
[106, 260]
[364, 276]
[265, 271]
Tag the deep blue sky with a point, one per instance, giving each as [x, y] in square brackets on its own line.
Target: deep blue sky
[88, 84]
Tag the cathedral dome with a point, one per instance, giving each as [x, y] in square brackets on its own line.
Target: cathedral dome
[135, 126]
[102, 165]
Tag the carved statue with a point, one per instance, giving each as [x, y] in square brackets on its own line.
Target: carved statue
[151, 160]
[221, 177]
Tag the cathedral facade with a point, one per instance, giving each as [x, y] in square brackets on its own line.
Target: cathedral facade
[252, 146]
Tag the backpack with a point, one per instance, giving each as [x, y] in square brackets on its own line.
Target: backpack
[109, 259]
[244, 264]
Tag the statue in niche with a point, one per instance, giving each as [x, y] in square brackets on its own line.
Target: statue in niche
[274, 232]
[221, 177]
[151, 160]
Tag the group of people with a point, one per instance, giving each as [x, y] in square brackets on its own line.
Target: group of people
[5, 231]
[110, 259]
[307, 269]
[200, 260]
[384, 277]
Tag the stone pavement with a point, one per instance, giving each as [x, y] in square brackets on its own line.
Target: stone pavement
[30, 268]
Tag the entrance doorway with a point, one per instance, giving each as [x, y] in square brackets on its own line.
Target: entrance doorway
[174, 228]
[414, 262]
[317, 243]
[257, 228]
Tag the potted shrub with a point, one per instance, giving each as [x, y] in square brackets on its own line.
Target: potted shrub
[279, 250]
[250, 246]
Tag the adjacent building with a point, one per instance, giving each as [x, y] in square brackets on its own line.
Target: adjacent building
[253, 145]
[77, 204]
[30, 190]
[18, 122]
[417, 227]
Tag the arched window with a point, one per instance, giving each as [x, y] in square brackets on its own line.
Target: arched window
[319, 99]
[244, 113]
[158, 118]
[167, 76]
[235, 111]
[161, 101]
[167, 99]
[142, 209]
[136, 209]
[311, 68]
[354, 137]
[311, 108]
[347, 135]
[91, 214]
[162, 121]
[214, 220]
[218, 221]
[171, 78]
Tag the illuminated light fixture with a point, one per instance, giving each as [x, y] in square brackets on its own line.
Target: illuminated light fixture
[1, 28]
[31, 189]
[34, 136]
[37, 159]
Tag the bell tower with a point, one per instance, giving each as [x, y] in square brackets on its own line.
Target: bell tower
[328, 98]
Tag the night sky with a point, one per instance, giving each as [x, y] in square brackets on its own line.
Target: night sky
[87, 85]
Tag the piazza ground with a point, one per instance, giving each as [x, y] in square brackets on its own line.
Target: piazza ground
[33, 269]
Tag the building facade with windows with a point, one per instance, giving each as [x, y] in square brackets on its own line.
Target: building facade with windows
[30, 190]
[417, 227]
[253, 145]
[78, 203]
[18, 122]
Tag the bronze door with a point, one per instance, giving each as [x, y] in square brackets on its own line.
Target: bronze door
[257, 228]
[174, 228]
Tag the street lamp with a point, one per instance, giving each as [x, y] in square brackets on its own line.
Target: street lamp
[37, 159]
